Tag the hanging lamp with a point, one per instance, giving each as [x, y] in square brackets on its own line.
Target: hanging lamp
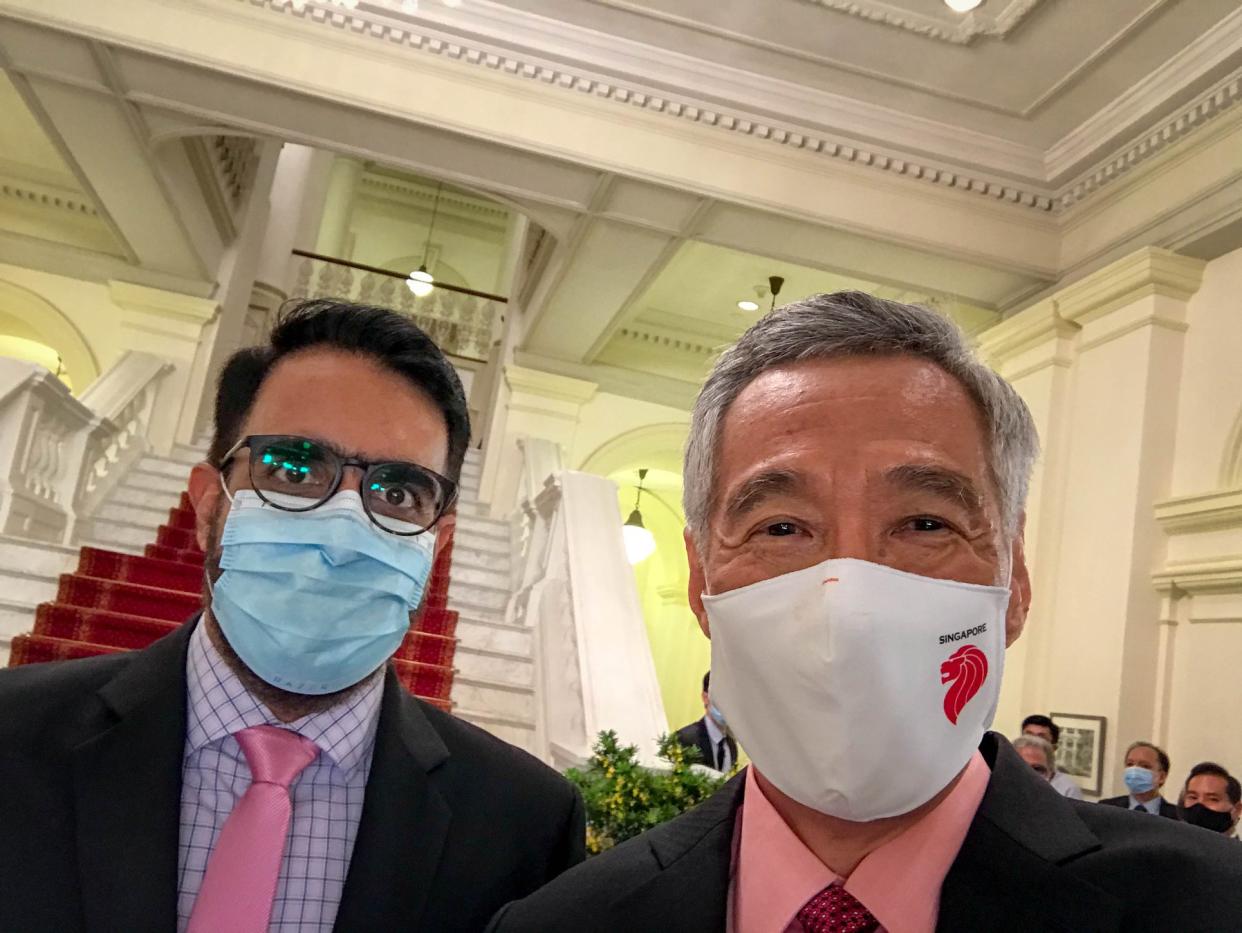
[639, 541]
[421, 282]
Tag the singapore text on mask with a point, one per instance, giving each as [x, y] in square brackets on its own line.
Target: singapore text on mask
[858, 690]
[315, 601]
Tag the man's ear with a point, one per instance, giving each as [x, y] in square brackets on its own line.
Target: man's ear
[697, 584]
[1019, 587]
[205, 493]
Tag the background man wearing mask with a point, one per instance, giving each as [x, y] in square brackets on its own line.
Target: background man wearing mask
[1043, 727]
[854, 484]
[716, 747]
[261, 768]
[1212, 799]
[1147, 768]
[1037, 753]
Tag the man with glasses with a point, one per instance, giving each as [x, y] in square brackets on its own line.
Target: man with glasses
[261, 768]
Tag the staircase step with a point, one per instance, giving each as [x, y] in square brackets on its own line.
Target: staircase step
[114, 565]
[473, 508]
[424, 680]
[436, 621]
[28, 589]
[159, 552]
[495, 699]
[428, 648]
[146, 516]
[35, 557]
[179, 538]
[130, 598]
[472, 575]
[15, 618]
[514, 731]
[99, 627]
[490, 636]
[189, 454]
[488, 597]
[466, 556]
[153, 483]
[142, 497]
[169, 469]
[495, 667]
[474, 531]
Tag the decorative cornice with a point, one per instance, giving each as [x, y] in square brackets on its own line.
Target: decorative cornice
[47, 197]
[1148, 271]
[1207, 577]
[1187, 120]
[425, 38]
[1037, 326]
[547, 385]
[964, 31]
[184, 309]
[1202, 512]
[423, 195]
[662, 339]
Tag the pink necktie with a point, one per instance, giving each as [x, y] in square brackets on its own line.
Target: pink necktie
[240, 883]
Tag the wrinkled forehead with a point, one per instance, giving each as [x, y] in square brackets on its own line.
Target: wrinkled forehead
[859, 409]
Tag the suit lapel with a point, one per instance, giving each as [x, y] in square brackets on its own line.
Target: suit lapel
[405, 822]
[694, 857]
[127, 784]
[1009, 862]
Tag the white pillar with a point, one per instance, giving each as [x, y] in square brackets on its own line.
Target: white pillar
[297, 202]
[338, 208]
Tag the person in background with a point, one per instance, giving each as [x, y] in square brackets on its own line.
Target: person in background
[1147, 768]
[710, 735]
[1043, 727]
[261, 768]
[1037, 753]
[1212, 799]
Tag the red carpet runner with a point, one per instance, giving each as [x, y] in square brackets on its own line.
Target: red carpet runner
[119, 602]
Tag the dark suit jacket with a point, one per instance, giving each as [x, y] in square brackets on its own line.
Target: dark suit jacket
[695, 736]
[1166, 809]
[454, 823]
[1032, 861]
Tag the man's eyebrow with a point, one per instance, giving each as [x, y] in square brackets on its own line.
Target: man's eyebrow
[759, 487]
[939, 481]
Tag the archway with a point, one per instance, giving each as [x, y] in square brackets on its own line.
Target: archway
[39, 328]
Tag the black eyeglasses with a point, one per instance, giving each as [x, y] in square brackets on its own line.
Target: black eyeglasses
[297, 474]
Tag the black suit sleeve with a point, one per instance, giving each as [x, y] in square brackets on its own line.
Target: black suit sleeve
[573, 850]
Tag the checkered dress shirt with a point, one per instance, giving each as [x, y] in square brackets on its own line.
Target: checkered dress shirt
[327, 796]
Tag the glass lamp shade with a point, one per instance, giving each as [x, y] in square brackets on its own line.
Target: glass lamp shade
[962, 6]
[421, 282]
[639, 542]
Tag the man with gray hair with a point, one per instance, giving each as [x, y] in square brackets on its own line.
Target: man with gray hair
[855, 485]
[1037, 753]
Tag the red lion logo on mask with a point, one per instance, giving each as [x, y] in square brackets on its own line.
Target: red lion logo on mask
[966, 669]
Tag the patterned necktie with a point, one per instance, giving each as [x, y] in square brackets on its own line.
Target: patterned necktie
[835, 910]
[240, 883]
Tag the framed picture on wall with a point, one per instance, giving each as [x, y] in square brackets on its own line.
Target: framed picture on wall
[1080, 752]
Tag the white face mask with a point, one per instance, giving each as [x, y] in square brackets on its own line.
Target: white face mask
[858, 690]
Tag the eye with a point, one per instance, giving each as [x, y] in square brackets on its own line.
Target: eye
[925, 523]
[781, 529]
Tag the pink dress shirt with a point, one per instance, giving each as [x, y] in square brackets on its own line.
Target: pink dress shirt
[774, 874]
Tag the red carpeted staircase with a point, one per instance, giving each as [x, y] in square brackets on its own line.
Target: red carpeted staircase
[120, 602]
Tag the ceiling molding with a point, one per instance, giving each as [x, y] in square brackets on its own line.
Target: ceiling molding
[422, 195]
[1201, 578]
[1128, 108]
[666, 339]
[1184, 122]
[1202, 512]
[964, 31]
[1012, 159]
[46, 197]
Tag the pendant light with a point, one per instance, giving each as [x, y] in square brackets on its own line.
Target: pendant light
[421, 282]
[639, 542]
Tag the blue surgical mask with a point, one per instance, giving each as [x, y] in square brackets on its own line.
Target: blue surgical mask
[714, 711]
[1140, 780]
[314, 602]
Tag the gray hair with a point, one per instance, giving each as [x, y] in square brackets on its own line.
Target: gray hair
[846, 324]
[1034, 741]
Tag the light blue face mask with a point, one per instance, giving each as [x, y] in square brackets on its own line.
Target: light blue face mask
[714, 711]
[314, 602]
[1139, 780]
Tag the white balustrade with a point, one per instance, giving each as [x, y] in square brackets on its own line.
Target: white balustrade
[460, 324]
[60, 455]
[576, 592]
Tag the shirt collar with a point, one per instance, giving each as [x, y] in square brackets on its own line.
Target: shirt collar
[219, 705]
[1151, 806]
[777, 874]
